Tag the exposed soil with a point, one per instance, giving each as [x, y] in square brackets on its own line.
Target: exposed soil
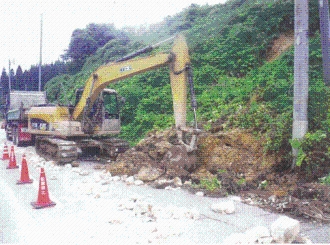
[235, 160]
[281, 44]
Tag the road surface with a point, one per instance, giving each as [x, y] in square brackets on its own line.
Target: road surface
[90, 210]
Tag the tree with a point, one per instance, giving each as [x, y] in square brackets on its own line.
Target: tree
[26, 79]
[19, 79]
[4, 80]
[85, 42]
[4, 84]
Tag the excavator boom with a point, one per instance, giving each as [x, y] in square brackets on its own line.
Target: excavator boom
[178, 61]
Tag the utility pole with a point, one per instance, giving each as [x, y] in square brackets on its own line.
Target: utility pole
[9, 81]
[300, 92]
[324, 29]
[39, 87]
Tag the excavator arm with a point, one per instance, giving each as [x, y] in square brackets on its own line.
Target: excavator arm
[179, 64]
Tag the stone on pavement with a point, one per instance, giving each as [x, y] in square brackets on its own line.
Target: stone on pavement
[285, 229]
[223, 207]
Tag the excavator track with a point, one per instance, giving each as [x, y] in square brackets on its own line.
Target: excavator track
[61, 151]
[66, 151]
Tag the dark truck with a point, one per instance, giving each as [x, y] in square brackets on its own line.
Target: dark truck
[16, 119]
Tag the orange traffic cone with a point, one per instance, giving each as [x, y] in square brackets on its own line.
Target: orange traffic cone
[43, 195]
[25, 178]
[12, 159]
[5, 155]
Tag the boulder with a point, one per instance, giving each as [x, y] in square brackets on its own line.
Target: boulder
[199, 193]
[138, 182]
[285, 230]
[130, 180]
[177, 182]
[223, 207]
[162, 183]
[147, 174]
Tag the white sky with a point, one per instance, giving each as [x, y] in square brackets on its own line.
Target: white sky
[20, 23]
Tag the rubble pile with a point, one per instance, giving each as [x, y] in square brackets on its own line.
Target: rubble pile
[159, 154]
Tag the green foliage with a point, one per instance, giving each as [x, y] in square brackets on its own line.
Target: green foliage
[229, 44]
[241, 182]
[210, 184]
[325, 180]
[313, 150]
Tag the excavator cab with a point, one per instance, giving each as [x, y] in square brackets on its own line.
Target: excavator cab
[102, 117]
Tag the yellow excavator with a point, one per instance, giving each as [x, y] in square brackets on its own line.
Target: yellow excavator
[64, 133]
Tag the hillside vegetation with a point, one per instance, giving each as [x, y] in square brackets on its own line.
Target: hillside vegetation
[243, 77]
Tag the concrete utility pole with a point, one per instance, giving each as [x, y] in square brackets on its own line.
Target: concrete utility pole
[300, 93]
[9, 81]
[324, 28]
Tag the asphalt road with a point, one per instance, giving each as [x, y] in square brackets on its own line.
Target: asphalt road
[80, 217]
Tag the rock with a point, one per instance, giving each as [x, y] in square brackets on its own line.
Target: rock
[202, 173]
[223, 207]
[99, 166]
[158, 151]
[177, 182]
[84, 173]
[123, 177]
[105, 182]
[75, 164]
[148, 174]
[138, 182]
[105, 176]
[130, 180]
[285, 230]
[162, 183]
[187, 183]
[253, 235]
[130, 162]
[116, 178]
[199, 193]
[178, 162]
[97, 196]
[272, 198]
